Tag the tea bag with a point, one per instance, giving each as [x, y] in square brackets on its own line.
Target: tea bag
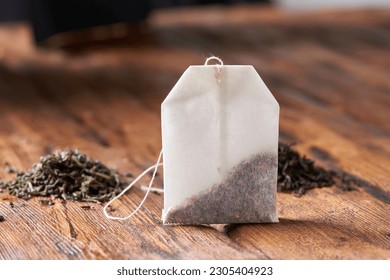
[220, 146]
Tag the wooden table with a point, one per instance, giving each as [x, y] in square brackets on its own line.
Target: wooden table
[328, 70]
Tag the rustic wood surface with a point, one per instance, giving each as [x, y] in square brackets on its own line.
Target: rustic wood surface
[329, 71]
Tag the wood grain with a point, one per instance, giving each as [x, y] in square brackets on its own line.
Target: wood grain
[328, 70]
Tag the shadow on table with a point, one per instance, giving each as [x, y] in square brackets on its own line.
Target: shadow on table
[306, 233]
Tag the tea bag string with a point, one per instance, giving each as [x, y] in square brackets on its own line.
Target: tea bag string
[153, 167]
[219, 65]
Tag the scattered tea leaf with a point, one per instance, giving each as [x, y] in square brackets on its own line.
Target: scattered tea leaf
[111, 208]
[9, 169]
[46, 202]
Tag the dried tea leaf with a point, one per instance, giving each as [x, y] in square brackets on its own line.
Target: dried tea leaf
[297, 174]
[70, 175]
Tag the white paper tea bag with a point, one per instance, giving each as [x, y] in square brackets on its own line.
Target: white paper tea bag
[220, 146]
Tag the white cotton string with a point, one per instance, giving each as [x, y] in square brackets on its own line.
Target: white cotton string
[214, 58]
[155, 167]
[219, 65]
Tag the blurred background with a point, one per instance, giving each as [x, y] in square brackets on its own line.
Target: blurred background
[92, 74]
[49, 17]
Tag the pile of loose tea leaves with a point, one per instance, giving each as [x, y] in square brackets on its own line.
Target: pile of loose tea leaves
[297, 174]
[68, 174]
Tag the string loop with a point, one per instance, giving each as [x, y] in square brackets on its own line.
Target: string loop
[214, 58]
[153, 167]
[219, 66]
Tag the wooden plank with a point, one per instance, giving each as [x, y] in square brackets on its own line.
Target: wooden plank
[30, 236]
[327, 70]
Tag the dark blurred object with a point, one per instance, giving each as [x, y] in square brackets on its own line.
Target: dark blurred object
[171, 3]
[56, 16]
[50, 17]
[15, 10]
